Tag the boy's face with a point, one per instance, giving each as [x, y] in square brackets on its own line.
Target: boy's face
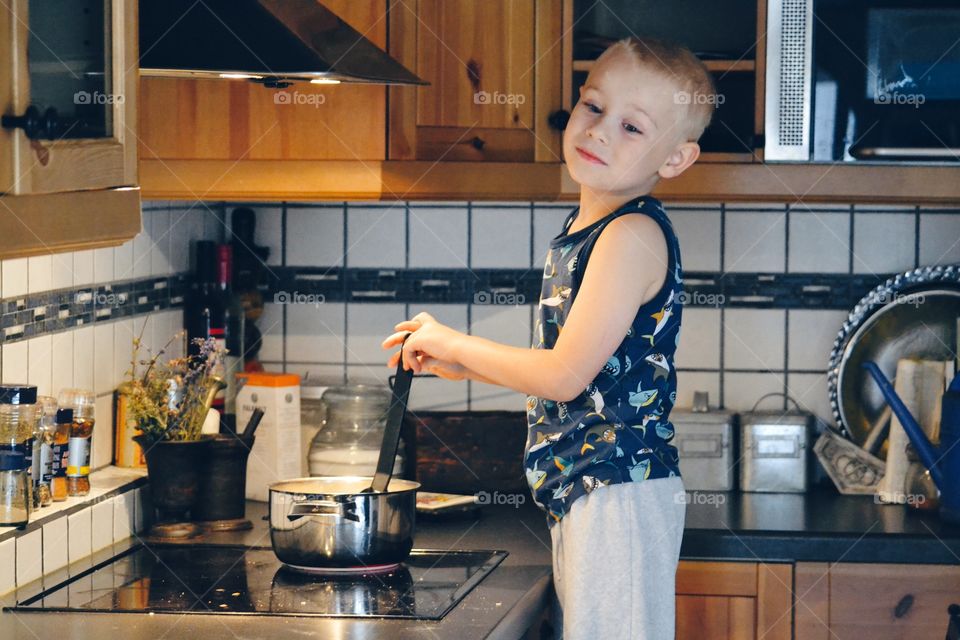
[628, 119]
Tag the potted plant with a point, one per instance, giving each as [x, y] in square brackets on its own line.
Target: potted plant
[168, 401]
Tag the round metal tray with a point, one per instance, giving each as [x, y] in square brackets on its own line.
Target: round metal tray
[912, 315]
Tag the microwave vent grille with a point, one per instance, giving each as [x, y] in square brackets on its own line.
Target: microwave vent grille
[787, 109]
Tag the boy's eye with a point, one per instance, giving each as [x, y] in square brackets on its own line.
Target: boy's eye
[631, 129]
[592, 107]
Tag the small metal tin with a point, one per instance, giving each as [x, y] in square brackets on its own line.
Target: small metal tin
[775, 451]
[705, 441]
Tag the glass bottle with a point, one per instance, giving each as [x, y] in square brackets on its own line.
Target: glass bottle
[17, 424]
[43, 467]
[81, 430]
[61, 454]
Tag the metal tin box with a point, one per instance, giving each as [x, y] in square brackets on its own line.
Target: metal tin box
[775, 451]
[705, 442]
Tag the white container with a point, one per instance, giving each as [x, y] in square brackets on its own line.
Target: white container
[705, 442]
[276, 449]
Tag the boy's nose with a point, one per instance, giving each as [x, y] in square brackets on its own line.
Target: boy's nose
[597, 132]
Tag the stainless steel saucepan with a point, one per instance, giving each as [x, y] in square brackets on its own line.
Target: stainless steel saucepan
[349, 522]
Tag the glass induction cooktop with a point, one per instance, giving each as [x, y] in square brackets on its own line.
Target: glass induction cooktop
[250, 580]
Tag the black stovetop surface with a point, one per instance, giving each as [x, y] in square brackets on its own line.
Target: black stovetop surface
[250, 580]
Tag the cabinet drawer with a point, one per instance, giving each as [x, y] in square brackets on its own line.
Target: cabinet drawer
[887, 601]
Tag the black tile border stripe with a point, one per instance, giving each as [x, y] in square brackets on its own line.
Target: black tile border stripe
[316, 285]
[38, 314]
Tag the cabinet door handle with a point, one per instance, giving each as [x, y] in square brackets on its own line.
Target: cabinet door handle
[33, 124]
[903, 606]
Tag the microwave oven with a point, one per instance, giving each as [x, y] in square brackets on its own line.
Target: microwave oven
[862, 81]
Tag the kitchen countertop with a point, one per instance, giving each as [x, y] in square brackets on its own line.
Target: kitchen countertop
[820, 526]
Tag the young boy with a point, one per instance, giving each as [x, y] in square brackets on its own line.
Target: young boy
[599, 380]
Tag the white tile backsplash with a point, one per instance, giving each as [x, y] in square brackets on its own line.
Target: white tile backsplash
[29, 557]
[699, 234]
[61, 270]
[819, 241]
[269, 232]
[939, 238]
[15, 277]
[501, 323]
[123, 261]
[124, 515]
[61, 348]
[754, 241]
[8, 565]
[315, 333]
[82, 268]
[883, 242]
[315, 236]
[15, 362]
[160, 238]
[500, 237]
[103, 374]
[40, 364]
[370, 324]
[376, 237]
[690, 381]
[39, 273]
[55, 545]
[437, 394]
[83, 357]
[753, 338]
[80, 532]
[811, 335]
[741, 391]
[101, 531]
[699, 339]
[438, 237]
[547, 224]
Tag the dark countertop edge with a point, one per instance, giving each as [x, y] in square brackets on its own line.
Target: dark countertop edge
[778, 546]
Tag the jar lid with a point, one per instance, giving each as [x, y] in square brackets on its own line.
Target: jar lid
[359, 392]
[18, 394]
[64, 415]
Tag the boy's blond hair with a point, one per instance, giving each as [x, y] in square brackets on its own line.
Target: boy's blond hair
[694, 86]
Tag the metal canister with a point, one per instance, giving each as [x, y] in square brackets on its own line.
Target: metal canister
[706, 442]
[775, 450]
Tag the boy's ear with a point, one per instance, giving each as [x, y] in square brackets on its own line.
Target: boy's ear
[684, 155]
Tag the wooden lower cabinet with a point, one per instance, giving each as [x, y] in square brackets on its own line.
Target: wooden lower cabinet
[848, 601]
[734, 600]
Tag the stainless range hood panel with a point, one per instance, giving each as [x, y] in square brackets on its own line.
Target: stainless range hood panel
[272, 41]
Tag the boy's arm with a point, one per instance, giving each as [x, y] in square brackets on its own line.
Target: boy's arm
[626, 269]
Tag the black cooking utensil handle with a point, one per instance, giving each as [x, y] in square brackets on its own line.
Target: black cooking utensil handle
[391, 435]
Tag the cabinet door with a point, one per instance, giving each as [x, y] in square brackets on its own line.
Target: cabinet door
[187, 119]
[734, 600]
[494, 73]
[71, 66]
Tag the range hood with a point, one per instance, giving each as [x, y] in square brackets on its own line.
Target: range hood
[275, 42]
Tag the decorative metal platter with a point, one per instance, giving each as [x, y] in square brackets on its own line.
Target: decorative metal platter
[912, 315]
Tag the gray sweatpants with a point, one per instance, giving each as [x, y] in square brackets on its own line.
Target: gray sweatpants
[615, 560]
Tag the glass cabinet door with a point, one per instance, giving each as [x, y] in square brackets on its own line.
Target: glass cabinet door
[68, 95]
[69, 63]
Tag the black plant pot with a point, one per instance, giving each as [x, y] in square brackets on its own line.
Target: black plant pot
[222, 500]
[174, 468]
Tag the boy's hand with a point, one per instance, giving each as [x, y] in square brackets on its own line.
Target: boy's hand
[431, 344]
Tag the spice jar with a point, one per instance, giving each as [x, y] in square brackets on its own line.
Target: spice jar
[349, 440]
[83, 403]
[43, 450]
[17, 424]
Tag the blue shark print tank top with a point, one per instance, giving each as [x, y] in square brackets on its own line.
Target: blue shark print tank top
[617, 429]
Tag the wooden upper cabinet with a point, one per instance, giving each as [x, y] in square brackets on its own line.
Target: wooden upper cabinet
[68, 79]
[186, 119]
[494, 68]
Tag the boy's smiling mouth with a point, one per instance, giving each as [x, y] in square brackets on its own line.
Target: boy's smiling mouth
[589, 157]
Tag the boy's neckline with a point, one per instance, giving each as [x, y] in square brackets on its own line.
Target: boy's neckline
[566, 236]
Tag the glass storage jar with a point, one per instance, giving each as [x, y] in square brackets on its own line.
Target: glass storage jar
[348, 442]
[17, 426]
